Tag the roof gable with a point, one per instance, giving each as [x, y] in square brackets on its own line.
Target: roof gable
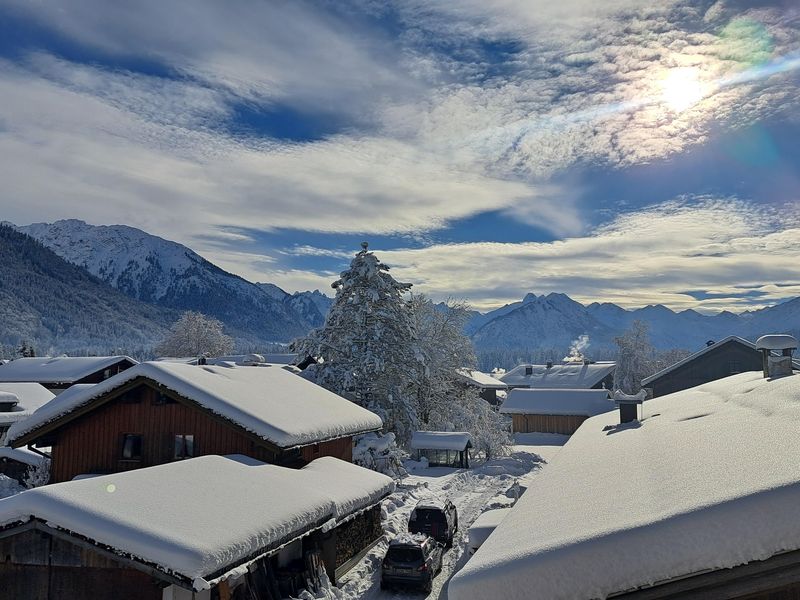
[731, 339]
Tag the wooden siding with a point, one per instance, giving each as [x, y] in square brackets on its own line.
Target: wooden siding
[564, 424]
[37, 566]
[721, 361]
[341, 448]
[92, 443]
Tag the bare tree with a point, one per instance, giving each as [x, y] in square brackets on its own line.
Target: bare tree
[635, 358]
[195, 334]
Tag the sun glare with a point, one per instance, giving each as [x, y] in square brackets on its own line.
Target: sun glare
[682, 89]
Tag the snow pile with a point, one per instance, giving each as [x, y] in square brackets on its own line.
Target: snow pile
[710, 480]
[22, 455]
[440, 440]
[29, 397]
[61, 369]
[588, 403]
[271, 402]
[9, 487]
[570, 375]
[379, 453]
[197, 517]
[481, 380]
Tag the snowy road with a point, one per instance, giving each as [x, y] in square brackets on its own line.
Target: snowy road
[472, 491]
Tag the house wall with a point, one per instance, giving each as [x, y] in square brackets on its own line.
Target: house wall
[564, 424]
[92, 443]
[341, 448]
[37, 566]
[721, 361]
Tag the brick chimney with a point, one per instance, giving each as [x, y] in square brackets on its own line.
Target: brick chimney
[776, 351]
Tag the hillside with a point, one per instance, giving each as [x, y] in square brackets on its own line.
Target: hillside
[60, 307]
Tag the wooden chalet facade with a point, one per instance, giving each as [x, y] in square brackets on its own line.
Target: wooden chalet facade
[727, 357]
[143, 423]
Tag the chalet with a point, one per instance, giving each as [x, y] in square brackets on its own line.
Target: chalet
[570, 375]
[486, 385]
[554, 411]
[252, 531]
[158, 412]
[720, 359]
[59, 373]
[18, 401]
[442, 448]
[697, 500]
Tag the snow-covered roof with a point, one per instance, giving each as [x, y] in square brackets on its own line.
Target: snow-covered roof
[269, 401]
[731, 338]
[61, 369]
[776, 341]
[481, 380]
[709, 480]
[484, 525]
[200, 518]
[29, 396]
[440, 440]
[567, 375]
[22, 455]
[524, 401]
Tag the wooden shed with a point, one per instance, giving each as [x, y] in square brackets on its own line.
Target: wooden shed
[206, 534]
[554, 411]
[162, 412]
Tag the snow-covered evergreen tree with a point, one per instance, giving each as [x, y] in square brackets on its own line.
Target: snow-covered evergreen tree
[195, 334]
[368, 346]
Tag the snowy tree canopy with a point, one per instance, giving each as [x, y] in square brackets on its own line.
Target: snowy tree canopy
[195, 334]
[368, 346]
[635, 357]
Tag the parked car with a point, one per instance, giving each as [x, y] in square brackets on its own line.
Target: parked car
[436, 518]
[412, 559]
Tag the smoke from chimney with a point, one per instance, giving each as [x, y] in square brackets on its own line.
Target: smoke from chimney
[577, 350]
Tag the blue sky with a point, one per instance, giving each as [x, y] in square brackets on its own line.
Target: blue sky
[621, 151]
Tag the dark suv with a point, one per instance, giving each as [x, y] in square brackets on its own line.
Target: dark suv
[411, 560]
[436, 518]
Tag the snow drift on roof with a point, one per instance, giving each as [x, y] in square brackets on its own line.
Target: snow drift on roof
[709, 479]
[30, 397]
[440, 440]
[522, 401]
[481, 380]
[62, 369]
[572, 375]
[197, 518]
[274, 404]
[22, 455]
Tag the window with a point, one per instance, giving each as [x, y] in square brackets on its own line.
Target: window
[132, 446]
[184, 446]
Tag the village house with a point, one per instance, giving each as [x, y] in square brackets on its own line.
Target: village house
[159, 412]
[442, 448]
[697, 499]
[18, 401]
[487, 386]
[252, 531]
[716, 360]
[584, 375]
[59, 373]
[553, 410]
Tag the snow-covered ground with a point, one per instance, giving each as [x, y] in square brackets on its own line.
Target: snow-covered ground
[490, 485]
[9, 487]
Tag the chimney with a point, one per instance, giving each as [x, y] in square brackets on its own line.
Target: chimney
[528, 370]
[629, 405]
[710, 343]
[774, 364]
[549, 364]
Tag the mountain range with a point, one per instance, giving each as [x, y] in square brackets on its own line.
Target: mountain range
[142, 282]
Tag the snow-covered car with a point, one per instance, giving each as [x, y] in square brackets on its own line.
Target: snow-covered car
[412, 559]
[436, 518]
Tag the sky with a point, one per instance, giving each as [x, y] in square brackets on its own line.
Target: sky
[618, 151]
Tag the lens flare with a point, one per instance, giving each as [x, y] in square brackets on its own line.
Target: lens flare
[682, 89]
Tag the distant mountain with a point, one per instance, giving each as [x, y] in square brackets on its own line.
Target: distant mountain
[60, 307]
[170, 275]
[312, 307]
[550, 323]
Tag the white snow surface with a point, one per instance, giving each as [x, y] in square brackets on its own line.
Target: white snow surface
[22, 455]
[60, 369]
[710, 480]
[197, 518]
[440, 440]
[571, 375]
[29, 396]
[269, 401]
[523, 401]
[484, 525]
[481, 380]
[776, 341]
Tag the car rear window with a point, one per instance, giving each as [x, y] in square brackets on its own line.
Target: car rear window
[429, 515]
[404, 555]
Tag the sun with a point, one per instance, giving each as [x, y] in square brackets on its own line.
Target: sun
[681, 89]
